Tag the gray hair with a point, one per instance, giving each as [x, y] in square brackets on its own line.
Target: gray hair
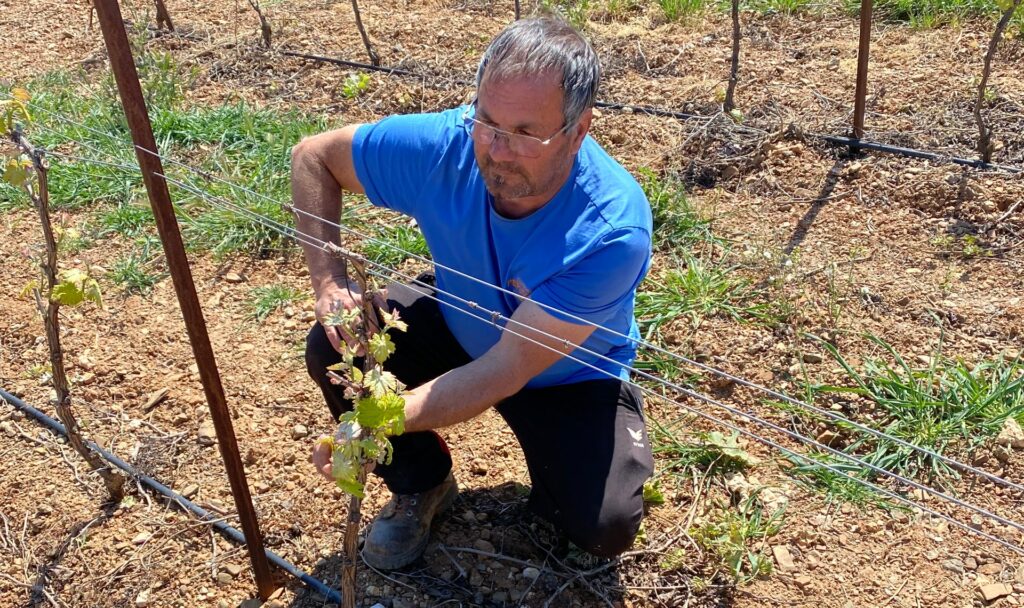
[546, 44]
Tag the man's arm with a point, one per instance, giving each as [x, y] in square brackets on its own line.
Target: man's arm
[501, 372]
[322, 167]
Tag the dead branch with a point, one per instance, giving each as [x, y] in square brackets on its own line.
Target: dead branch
[40, 198]
[730, 91]
[374, 57]
[985, 144]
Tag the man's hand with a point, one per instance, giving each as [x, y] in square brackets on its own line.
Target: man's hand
[323, 451]
[336, 295]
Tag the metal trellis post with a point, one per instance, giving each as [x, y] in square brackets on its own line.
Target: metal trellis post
[123, 66]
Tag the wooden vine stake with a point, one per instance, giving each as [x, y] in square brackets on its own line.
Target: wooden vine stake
[374, 57]
[985, 144]
[28, 171]
[378, 407]
[730, 104]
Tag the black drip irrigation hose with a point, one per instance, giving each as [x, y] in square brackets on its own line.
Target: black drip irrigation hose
[856, 144]
[331, 595]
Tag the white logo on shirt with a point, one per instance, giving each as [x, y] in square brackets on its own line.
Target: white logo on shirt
[637, 437]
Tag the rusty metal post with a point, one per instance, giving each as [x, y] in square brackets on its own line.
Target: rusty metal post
[860, 102]
[123, 66]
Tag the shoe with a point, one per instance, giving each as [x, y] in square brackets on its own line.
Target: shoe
[400, 531]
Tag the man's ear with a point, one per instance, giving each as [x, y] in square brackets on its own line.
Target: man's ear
[581, 129]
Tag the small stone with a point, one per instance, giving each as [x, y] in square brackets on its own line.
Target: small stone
[88, 378]
[1011, 436]
[233, 569]
[483, 545]
[499, 597]
[234, 277]
[251, 603]
[307, 316]
[289, 311]
[829, 438]
[802, 581]
[400, 603]
[971, 564]
[299, 431]
[990, 569]
[953, 565]
[478, 467]
[812, 358]
[531, 573]
[207, 433]
[142, 538]
[142, 599]
[784, 558]
[994, 591]
[1019, 575]
[223, 578]
[190, 490]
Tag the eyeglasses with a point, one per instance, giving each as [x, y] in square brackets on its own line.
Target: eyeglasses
[518, 143]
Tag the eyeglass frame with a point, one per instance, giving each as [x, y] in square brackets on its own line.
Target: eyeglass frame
[472, 120]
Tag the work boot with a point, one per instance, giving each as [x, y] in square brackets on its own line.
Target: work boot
[400, 531]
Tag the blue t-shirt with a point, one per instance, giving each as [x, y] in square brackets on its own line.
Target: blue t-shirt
[584, 252]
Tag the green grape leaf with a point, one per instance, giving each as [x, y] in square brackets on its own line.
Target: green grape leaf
[652, 493]
[75, 287]
[730, 447]
[380, 346]
[380, 382]
[29, 287]
[386, 412]
[392, 321]
[16, 172]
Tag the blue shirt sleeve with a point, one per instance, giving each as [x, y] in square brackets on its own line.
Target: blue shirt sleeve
[596, 287]
[393, 158]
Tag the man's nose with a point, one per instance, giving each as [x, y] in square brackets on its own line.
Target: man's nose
[500, 150]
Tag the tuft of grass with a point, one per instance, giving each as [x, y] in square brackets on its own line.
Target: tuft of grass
[576, 12]
[127, 219]
[737, 536]
[944, 406]
[838, 488]
[677, 223]
[393, 241]
[678, 10]
[132, 275]
[928, 14]
[696, 291]
[265, 300]
[780, 7]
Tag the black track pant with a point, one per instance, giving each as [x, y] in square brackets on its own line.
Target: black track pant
[586, 444]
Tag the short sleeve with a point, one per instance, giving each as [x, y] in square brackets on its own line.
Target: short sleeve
[598, 286]
[393, 158]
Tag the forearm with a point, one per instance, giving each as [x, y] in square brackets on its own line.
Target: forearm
[322, 169]
[460, 394]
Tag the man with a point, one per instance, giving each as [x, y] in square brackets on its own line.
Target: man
[511, 191]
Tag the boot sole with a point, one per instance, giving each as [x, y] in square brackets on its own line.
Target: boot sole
[394, 562]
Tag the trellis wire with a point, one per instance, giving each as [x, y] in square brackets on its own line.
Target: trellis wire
[495, 316]
[638, 342]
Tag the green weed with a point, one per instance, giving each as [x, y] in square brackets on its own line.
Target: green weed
[783, 7]
[132, 275]
[576, 12]
[355, 85]
[838, 488]
[127, 219]
[946, 405]
[696, 292]
[737, 536]
[677, 223]
[711, 453]
[927, 14]
[678, 10]
[265, 300]
[392, 242]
